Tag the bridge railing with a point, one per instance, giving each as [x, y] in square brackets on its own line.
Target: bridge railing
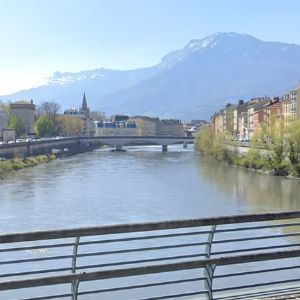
[237, 257]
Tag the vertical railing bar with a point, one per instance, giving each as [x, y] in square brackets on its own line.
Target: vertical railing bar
[75, 283]
[209, 269]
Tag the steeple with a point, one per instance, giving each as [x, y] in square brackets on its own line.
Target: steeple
[84, 106]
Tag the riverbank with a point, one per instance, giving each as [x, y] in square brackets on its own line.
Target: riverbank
[9, 166]
[275, 160]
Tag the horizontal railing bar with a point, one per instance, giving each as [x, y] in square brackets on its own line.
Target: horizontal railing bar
[253, 249]
[48, 297]
[255, 285]
[118, 273]
[131, 262]
[139, 286]
[145, 237]
[37, 247]
[257, 227]
[256, 272]
[141, 249]
[255, 238]
[43, 271]
[25, 260]
[261, 293]
[175, 296]
[140, 227]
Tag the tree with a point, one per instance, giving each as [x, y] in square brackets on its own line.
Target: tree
[16, 124]
[44, 126]
[70, 125]
[272, 137]
[98, 116]
[4, 107]
[293, 146]
[50, 109]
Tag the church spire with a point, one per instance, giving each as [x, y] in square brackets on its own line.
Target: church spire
[84, 106]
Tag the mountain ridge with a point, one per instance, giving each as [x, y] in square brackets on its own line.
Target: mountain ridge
[191, 82]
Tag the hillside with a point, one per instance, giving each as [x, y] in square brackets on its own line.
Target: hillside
[188, 83]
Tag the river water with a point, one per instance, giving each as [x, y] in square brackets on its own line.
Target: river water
[142, 184]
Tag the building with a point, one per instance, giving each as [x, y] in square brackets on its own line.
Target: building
[121, 128]
[291, 106]
[8, 134]
[228, 119]
[3, 119]
[83, 113]
[273, 112]
[259, 114]
[119, 118]
[295, 102]
[243, 126]
[169, 127]
[238, 110]
[219, 122]
[25, 112]
[288, 113]
[146, 126]
[253, 105]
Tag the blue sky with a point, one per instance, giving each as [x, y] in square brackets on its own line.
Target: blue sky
[39, 37]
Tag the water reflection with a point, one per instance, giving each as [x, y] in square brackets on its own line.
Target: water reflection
[260, 191]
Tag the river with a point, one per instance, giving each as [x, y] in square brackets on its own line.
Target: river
[142, 184]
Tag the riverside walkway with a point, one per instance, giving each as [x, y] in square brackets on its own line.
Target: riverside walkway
[253, 256]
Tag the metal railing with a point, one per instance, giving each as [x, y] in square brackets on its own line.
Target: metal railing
[254, 256]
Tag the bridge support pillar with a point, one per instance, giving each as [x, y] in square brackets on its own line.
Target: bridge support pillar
[164, 148]
[185, 145]
[119, 148]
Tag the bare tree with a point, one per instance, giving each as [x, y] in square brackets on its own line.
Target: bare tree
[50, 109]
[98, 116]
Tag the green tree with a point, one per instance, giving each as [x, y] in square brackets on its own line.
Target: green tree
[44, 126]
[293, 147]
[16, 124]
[272, 137]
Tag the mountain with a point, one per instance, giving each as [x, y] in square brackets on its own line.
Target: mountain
[192, 82]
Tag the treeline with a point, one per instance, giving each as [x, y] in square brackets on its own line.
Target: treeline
[49, 121]
[274, 148]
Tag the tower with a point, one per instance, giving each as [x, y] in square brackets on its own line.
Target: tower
[84, 106]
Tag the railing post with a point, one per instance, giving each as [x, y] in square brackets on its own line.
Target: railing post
[75, 283]
[209, 269]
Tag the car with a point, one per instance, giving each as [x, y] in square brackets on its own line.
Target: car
[11, 142]
[20, 140]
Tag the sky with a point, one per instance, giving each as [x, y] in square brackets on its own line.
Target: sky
[39, 37]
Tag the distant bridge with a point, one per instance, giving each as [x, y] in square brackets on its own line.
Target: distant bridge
[81, 144]
[120, 141]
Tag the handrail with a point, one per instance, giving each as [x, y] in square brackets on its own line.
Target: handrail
[124, 250]
[141, 227]
[118, 273]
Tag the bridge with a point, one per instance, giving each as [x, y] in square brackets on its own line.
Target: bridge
[81, 144]
[120, 141]
[252, 256]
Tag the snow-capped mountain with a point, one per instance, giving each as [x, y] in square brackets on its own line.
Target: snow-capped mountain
[191, 82]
